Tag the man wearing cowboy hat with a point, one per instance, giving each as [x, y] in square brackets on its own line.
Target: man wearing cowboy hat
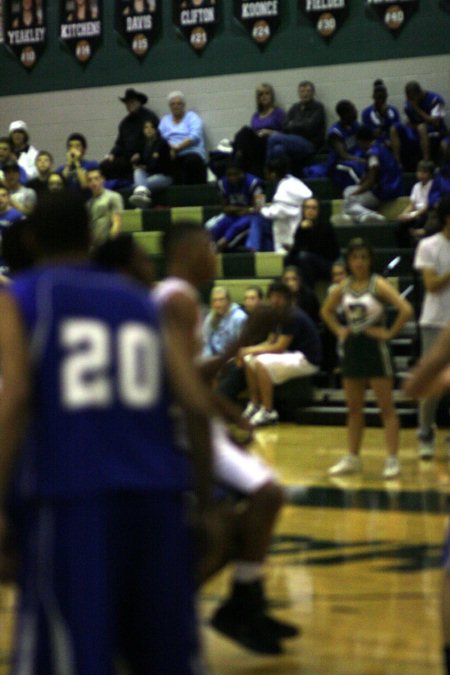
[130, 138]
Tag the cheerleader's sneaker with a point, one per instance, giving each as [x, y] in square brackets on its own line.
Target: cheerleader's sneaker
[391, 468]
[346, 465]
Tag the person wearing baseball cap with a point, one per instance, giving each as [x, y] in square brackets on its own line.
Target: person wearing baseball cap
[130, 139]
[24, 152]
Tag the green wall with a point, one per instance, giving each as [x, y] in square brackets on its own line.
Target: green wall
[296, 44]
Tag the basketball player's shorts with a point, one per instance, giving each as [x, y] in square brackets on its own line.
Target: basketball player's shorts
[235, 468]
[283, 367]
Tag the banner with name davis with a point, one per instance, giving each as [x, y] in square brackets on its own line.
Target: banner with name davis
[138, 22]
[326, 15]
[260, 19]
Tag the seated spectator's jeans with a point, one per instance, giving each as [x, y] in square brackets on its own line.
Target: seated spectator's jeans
[295, 147]
[260, 236]
[155, 182]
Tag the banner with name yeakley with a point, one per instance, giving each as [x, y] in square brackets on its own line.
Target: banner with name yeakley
[25, 30]
[326, 15]
[80, 27]
[196, 20]
[259, 18]
[138, 23]
[393, 13]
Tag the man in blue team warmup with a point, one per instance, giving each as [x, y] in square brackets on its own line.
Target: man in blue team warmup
[89, 472]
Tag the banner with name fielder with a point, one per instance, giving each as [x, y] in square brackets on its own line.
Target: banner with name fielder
[25, 30]
[260, 18]
[393, 13]
[138, 23]
[326, 15]
[196, 20]
[80, 27]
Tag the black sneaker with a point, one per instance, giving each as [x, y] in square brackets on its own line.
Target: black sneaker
[281, 629]
[252, 632]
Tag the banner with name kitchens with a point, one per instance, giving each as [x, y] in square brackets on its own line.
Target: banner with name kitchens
[25, 30]
[80, 27]
[138, 22]
[196, 20]
[259, 19]
[393, 13]
[326, 15]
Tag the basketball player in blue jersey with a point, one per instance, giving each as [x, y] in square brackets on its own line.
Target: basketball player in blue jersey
[89, 468]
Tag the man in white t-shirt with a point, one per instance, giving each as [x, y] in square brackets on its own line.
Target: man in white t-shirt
[432, 259]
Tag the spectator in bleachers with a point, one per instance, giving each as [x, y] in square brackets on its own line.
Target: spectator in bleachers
[24, 152]
[382, 180]
[250, 142]
[432, 260]
[56, 181]
[103, 207]
[183, 131]
[345, 163]
[116, 166]
[253, 297]
[7, 155]
[242, 194]
[380, 116]
[8, 215]
[440, 186]
[21, 197]
[315, 246]
[151, 172]
[411, 221]
[76, 166]
[304, 296]
[424, 129]
[274, 230]
[44, 163]
[292, 350]
[303, 132]
[223, 322]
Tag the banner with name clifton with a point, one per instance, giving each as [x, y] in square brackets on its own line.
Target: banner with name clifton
[25, 29]
[393, 13]
[80, 27]
[259, 19]
[138, 23]
[196, 20]
[326, 15]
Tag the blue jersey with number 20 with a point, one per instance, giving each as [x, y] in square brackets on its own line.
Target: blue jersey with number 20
[100, 411]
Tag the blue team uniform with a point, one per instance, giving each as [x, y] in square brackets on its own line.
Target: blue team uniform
[440, 187]
[409, 136]
[380, 124]
[429, 102]
[390, 184]
[6, 219]
[234, 228]
[98, 492]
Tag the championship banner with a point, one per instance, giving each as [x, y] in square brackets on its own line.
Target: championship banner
[393, 13]
[196, 20]
[138, 22]
[81, 27]
[24, 29]
[326, 15]
[259, 19]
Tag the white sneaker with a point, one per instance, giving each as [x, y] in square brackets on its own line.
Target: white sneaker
[348, 464]
[426, 450]
[264, 417]
[391, 467]
[250, 410]
[371, 218]
[141, 197]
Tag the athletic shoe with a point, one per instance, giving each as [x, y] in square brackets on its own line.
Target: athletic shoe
[250, 410]
[141, 197]
[348, 464]
[426, 450]
[264, 417]
[281, 629]
[371, 218]
[391, 468]
[251, 632]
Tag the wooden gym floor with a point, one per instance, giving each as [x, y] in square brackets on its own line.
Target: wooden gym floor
[355, 562]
